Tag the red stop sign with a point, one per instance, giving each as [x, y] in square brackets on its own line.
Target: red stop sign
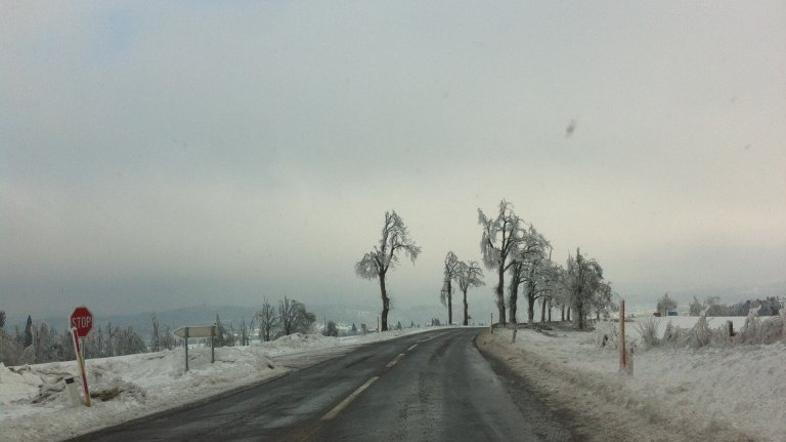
[82, 321]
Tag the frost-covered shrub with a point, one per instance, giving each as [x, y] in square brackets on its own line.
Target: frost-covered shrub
[606, 335]
[649, 332]
[758, 331]
[702, 335]
[670, 333]
[751, 331]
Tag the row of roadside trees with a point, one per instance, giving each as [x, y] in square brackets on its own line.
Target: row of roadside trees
[509, 246]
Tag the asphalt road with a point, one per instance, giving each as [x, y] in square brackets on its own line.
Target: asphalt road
[433, 386]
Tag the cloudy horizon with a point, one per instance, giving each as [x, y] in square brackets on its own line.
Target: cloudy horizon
[181, 153]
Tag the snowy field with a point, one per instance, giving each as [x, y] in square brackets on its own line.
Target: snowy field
[35, 406]
[717, 392]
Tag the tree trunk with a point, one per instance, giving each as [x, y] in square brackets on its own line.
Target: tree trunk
[542, 310]
[385, 302]
[466, 309]
[562, 312]
[580, 315]
[450, 304]
[550, 307]
[530, 307]
[513, 298]
[500, 294]
[568, 313]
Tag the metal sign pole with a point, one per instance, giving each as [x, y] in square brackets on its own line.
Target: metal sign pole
[623, 358]
[212, 345]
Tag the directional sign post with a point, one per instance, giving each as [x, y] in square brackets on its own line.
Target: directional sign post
[81, 324]
[198, 331]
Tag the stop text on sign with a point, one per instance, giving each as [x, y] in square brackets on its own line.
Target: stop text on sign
[82, 322]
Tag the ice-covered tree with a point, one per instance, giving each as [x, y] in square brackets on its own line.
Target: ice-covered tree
[28, 332]
[532, 254]
[267, 320]
[499, 240]
[548, 287]
[293, 317]
[584, 278]
[469, 275]
[602, 301]
[449, 273]
[222, 337]
[696, 307]
[167, 338]
[384, 257]
[665, 303]
[330, 329]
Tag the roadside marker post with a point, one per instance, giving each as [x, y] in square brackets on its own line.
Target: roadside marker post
[491, 323]
[623, 348]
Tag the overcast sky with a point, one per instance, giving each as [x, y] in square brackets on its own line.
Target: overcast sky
[158, 154]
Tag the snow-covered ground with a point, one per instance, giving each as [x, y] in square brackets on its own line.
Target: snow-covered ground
[675, 393]
[35, 406]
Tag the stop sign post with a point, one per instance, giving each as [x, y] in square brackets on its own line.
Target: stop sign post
[81, 324]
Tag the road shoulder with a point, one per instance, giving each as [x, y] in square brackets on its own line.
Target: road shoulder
[600, 410]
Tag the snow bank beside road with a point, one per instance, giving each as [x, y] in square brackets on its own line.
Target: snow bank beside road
[133, 385]
[717, 394]
[35, 406]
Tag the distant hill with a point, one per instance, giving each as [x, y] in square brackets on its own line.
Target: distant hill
[229, 314]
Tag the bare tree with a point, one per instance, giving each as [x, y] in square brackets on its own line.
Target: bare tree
[243, 332]
[499, 241]
[468, 275]
[266, 320]
[450, 273]
[155, 339]
[384, 256]
[293, 316]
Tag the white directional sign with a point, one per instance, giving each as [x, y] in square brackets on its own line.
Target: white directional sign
[196, 331]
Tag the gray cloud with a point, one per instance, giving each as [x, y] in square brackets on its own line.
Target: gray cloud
[196, 152]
